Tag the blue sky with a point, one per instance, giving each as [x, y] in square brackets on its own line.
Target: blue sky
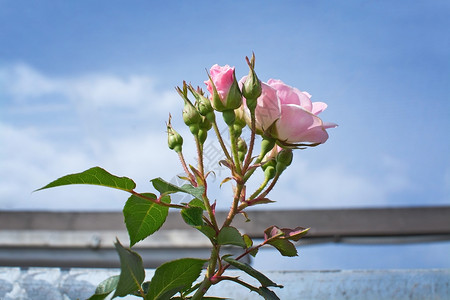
[86, 83]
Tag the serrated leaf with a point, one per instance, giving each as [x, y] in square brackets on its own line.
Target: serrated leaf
[207, 231]
[132, 272]
[230, 236]
[95, 176]
[192, 216]
[258, 201]
[273, 232]
[295, 234]
[163, 187]
[197, 203]
[197, 192]
[285, 247]
[143, 217]
[263, 279]
[105, 288]
[173, 277]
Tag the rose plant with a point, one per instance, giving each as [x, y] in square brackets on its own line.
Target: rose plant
[283, 117]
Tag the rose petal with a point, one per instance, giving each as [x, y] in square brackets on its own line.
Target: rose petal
[318, 107]
[327, 125]
[268, 107]
[297, 125]
[222, 78]
[290, 95]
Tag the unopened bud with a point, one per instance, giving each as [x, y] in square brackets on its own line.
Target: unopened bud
[191, 116]
[237, 130]
[251, 89]
[267, 144]
[269, 169]
[270, 172]
[204, 126]
[234, 97]
[242, 149]
[202, 135]
[174, 139]
[284, 159]
[224, 96]
[202, 103]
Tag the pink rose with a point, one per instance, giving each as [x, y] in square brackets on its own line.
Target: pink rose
[223, 79]
[288, 115]
[228, 93]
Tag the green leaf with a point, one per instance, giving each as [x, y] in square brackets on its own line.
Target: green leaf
[173, 277]
[204, 298]
[95, 176]
[105, 288]
[144, 286]
[208, 231]
[197, 203]
[230, 236]
[197, 192]
[165, 187]
[295, 234]
[248, 241]
[285, 233]
[258, 201]
[192, 216]
[143, 217]
[263, 279]
[285, 247]
[267, 294]
[132, 272]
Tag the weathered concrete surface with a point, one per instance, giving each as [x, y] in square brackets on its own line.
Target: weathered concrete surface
[53, 283]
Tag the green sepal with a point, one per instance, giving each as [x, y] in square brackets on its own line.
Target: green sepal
[94, 176]
[251, 89]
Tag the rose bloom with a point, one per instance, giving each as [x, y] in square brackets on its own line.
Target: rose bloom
[223, 79]
[288, 115]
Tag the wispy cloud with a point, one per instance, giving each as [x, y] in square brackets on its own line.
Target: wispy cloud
[24, 83]
[88, 129]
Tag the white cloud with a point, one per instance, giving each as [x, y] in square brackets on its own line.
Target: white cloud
[313, 186]
[32, 157]
[23, 83]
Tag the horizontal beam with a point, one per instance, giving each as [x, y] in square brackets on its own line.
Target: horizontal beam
[405, 221]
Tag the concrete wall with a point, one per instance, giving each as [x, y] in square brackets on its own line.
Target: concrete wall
[53, 283]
